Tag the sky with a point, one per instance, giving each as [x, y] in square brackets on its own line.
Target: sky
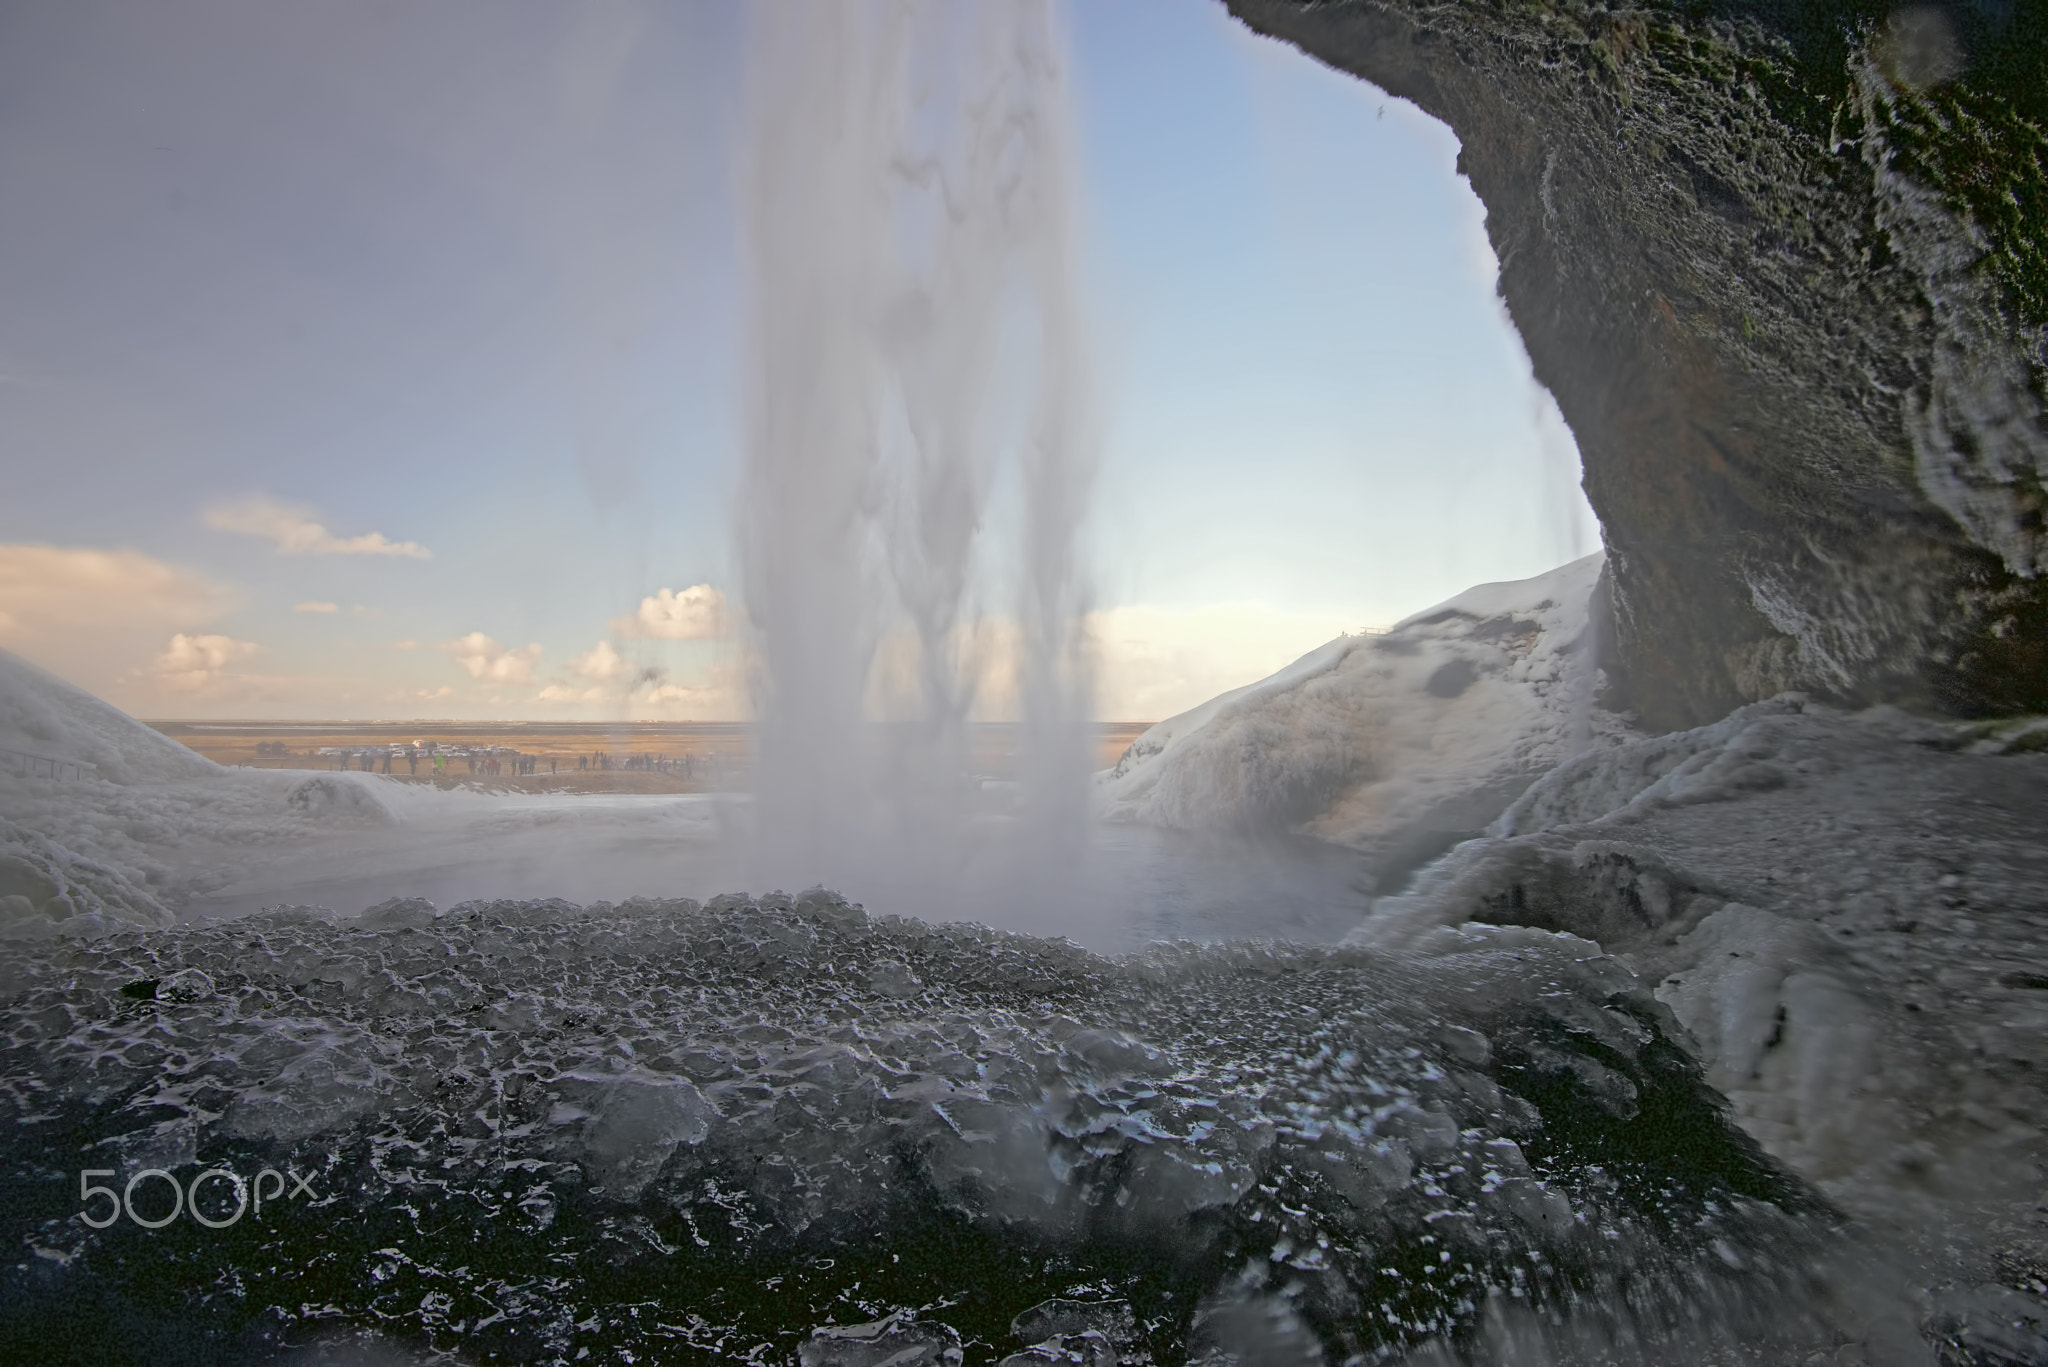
[365, 359]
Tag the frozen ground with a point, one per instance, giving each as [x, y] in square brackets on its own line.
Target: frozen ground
[1848, 914]
[1397, 745]
[666, 1132]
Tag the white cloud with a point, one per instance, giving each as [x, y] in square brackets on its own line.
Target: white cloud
[192, 663]
[316, 607]
[695, 614]
[484, 658]
[569, 693]
[94, 615]
[601, 661]
[405, 645]
[296, 532]
[443, 691]
[712, 702]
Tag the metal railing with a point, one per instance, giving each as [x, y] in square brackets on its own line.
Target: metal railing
[30, 765]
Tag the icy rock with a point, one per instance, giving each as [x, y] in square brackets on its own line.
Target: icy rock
[1466, 1046]
[636, 1119]
[1252, 1330]
[893, 978]
[318, 1093]
[332, 798]
[1110, 1053]
[831, 908]
[1607, 1089]
[1167, 1182]
[168, 1144]
[415, 912]
[298, 913]
[896, 1341]
[1100, 1333]
[517, 1014]
[1537, 1205]
[1990, 1326]
[1088, 1349]
[186, 985]
[1365, 1174]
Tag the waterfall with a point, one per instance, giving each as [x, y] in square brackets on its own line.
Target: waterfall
[917, 369]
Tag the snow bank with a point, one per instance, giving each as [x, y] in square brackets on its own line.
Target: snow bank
[147, 824]
[41, 714]
[1397, 744]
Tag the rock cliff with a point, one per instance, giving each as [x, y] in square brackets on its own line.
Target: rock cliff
[1784, 263]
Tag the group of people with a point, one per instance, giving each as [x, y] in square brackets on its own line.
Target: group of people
[514, 764]
[685, 765]
[495, 762]
[380, 760]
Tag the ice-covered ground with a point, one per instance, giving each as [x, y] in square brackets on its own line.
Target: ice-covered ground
[680, 1133]
[1397, 745]
[1848, 914]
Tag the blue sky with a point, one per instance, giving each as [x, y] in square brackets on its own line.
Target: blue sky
[464, 276]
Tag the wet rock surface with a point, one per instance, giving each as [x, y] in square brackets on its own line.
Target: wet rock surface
[660, 1131]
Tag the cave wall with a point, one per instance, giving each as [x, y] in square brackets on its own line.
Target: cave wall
[1782, 264]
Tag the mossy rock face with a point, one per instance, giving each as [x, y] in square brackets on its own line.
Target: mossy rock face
[1785, 267]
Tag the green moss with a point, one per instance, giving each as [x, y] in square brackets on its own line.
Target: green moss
[1980, 140]
[1990, 162]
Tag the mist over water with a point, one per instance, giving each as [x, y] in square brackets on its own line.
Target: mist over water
[918, 369]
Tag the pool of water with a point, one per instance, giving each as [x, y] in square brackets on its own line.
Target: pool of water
[1121, 887]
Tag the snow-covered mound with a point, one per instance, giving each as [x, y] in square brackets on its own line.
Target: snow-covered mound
[145, 823]
[1398, 744]
[40, 714]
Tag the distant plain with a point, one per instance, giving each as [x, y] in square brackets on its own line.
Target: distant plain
[720, 754]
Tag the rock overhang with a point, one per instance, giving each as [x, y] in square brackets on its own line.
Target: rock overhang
[1782, 276]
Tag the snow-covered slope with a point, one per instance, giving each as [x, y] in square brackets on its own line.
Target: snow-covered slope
[41, 714]
[147, 825]
[1397, 744]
